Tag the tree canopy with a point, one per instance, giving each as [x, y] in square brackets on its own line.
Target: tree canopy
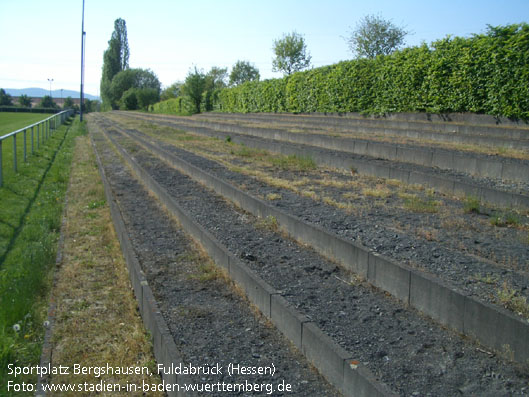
[115, 59]
[24, 101]
[374, 36]
[291, 54]
[68, 103]
[5, 98]
[47, 102]
[140, 83]
[243, 71]
[173, 91]
[194, 86]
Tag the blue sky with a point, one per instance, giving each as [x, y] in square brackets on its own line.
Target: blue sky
[42, 39]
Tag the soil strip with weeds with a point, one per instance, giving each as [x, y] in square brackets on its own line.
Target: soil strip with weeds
[96, 319]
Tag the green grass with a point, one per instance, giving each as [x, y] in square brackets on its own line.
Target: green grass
[10, 122]
[472, 205]
[290, 162]
[419, 204]
[30, 219]
[294, 163]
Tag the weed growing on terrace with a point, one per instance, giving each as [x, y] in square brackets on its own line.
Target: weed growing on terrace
[273, 196]
[268, 223]
[293, 162]
[471, 205]
[414, 203]
[510, 299]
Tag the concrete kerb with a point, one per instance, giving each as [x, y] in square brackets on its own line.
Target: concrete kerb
[508, 334]
[453, 122]
[426, 293]
[442, 158]
[261, 294]
[443, 184]
[164, 348]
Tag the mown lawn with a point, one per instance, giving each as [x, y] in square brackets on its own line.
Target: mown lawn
[10, 121]
[30, 219]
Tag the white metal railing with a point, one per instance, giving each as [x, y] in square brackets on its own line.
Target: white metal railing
[44, 130]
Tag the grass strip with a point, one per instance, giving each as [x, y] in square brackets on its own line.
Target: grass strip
[30, 218]
[96, 321]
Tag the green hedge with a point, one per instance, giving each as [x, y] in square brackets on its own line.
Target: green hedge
[486, 73]
[19, 109]
[180, 106]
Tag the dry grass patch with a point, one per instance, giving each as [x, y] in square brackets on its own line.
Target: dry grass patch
[268, 223]
[97, 322]
[379, 191]
[273, 196]
[310, 194]
[428, 234]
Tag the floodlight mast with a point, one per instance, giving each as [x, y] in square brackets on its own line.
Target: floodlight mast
[81, 99]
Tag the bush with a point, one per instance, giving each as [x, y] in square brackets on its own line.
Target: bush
[486, 73]
[179, 106]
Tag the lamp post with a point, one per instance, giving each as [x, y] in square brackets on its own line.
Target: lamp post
[81, 99]
[50, 80]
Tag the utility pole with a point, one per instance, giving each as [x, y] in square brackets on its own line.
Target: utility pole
[81, 99]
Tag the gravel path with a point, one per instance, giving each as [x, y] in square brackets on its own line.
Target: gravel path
[408, 352]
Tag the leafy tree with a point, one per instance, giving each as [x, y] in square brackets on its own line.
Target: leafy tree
[24, 101]
[47, 102]
[139, 98]
[375, 36]
[290, 54]
[5, 98]
[91, 105]
[68, 103]
[115, 59]
[133, 78]
[243, 71]
[129, 100]
[194, 87]
[215, 81]
[173, 91]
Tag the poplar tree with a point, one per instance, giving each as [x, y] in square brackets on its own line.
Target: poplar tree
[115, 60]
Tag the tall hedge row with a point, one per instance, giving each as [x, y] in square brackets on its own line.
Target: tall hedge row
[180, 105]
[486, 73]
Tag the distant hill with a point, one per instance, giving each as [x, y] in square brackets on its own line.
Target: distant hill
[40, 92]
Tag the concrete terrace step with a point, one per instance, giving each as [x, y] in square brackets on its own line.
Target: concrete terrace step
[493, 327]
[336, 364]
[457, 124]
[427, 176]
[467, 162]
[493, 138]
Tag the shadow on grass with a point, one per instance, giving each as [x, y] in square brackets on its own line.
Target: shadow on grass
[32, 199]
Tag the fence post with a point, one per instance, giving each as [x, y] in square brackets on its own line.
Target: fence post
[32, 140]
[38, 136]
[15, 152]
[25, 147]
[1, 171]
